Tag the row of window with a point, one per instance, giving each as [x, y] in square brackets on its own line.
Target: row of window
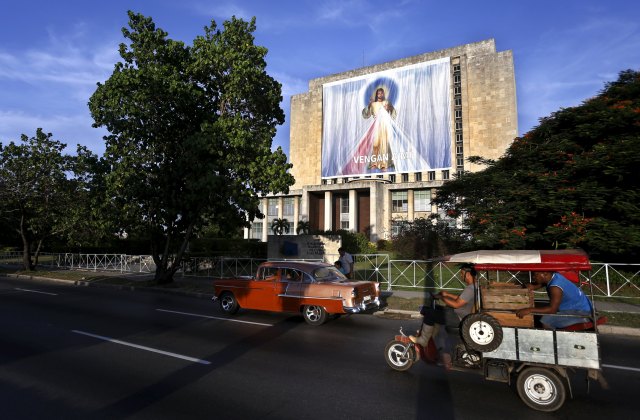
[457, 113]
[431, 176]
[400, 201]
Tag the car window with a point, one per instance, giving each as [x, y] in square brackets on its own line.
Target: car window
[268, 273]
[327, 274]
[290, 274]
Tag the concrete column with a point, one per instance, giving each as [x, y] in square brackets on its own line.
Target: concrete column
[373, 212]
[265, 224]
[410, 211]
[328, 224]
[353, 210]
[296, 214]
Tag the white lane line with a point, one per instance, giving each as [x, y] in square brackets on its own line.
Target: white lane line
[621, 368]
[35, 291]
[215, 317]
[124, 343]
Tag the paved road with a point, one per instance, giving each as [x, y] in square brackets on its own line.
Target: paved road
[79, 352]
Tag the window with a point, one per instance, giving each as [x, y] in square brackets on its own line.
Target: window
[405, 177]
[418, 176]
[457, 100]
[460, 161]
[344, 213]
[459, 137]
[432, 175]
[288, 207]
[392, 178]
[272, 207]
[456, 68]
[458, 113]
[457, 90]
[256, 230]
[397, 227]
[445, 174]
[422, 200]
[458, 124]
[399, 201]
[292, 275]
[459, 150]
[268, 273]
[456, 78]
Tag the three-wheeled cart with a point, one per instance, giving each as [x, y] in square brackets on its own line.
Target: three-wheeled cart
[507, 348]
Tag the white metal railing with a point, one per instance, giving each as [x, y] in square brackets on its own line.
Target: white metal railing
[607, 279]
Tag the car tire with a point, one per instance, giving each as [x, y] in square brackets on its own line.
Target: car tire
[541, 389]
[481, 332]
[398, 356]
[314, 314]
[228, 303]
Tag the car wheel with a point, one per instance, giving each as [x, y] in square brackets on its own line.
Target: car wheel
[228, 303]
[399, 356]
[481, 332]
[541, 389]
[314, 314]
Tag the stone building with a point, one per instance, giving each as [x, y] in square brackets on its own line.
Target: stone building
[371, 174]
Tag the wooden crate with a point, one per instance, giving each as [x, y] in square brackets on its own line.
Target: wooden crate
[501, 300]
[505, 297]
[509, 319]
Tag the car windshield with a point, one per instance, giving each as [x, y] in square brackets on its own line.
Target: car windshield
[328, 274]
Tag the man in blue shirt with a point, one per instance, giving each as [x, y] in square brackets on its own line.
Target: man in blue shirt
[565, 298]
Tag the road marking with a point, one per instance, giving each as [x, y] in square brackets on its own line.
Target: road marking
[215, 317]
[621, 368]
[151, 349]
[35, 291]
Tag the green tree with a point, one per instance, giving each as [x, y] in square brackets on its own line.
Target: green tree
[569, 182]
[426, 238]
[280, 226]
[190, 134]
[36, 194]
[303, 228]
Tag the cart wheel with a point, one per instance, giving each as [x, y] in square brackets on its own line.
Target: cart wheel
[541, 389]
[398, 356]
[481, 332]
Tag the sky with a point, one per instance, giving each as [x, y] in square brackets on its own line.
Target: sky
[52, 53]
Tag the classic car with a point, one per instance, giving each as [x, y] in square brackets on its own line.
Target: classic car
[316, 290]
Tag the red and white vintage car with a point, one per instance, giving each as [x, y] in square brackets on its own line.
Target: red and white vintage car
[314, 289]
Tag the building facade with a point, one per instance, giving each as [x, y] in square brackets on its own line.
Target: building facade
[370, 147]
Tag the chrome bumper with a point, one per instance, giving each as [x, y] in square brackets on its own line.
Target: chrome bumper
[362, 307]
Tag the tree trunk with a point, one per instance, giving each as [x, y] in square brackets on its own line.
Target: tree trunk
[165, 266]
[26, 247]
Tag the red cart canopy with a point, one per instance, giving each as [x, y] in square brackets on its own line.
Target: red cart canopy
[566, 261]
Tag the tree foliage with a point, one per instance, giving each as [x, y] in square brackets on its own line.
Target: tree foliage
[190, 134]
[42, 191]
[426, 238]
[569, 182]
[280, 226]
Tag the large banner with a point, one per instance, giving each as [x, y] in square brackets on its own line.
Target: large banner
[388, 122]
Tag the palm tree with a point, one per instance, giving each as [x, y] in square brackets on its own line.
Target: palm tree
[280, 226]
[304, 227]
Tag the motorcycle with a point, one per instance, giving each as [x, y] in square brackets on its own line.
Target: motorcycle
[401, 353]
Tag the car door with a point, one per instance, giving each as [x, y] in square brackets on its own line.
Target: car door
[261, 293]
[289, 289]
